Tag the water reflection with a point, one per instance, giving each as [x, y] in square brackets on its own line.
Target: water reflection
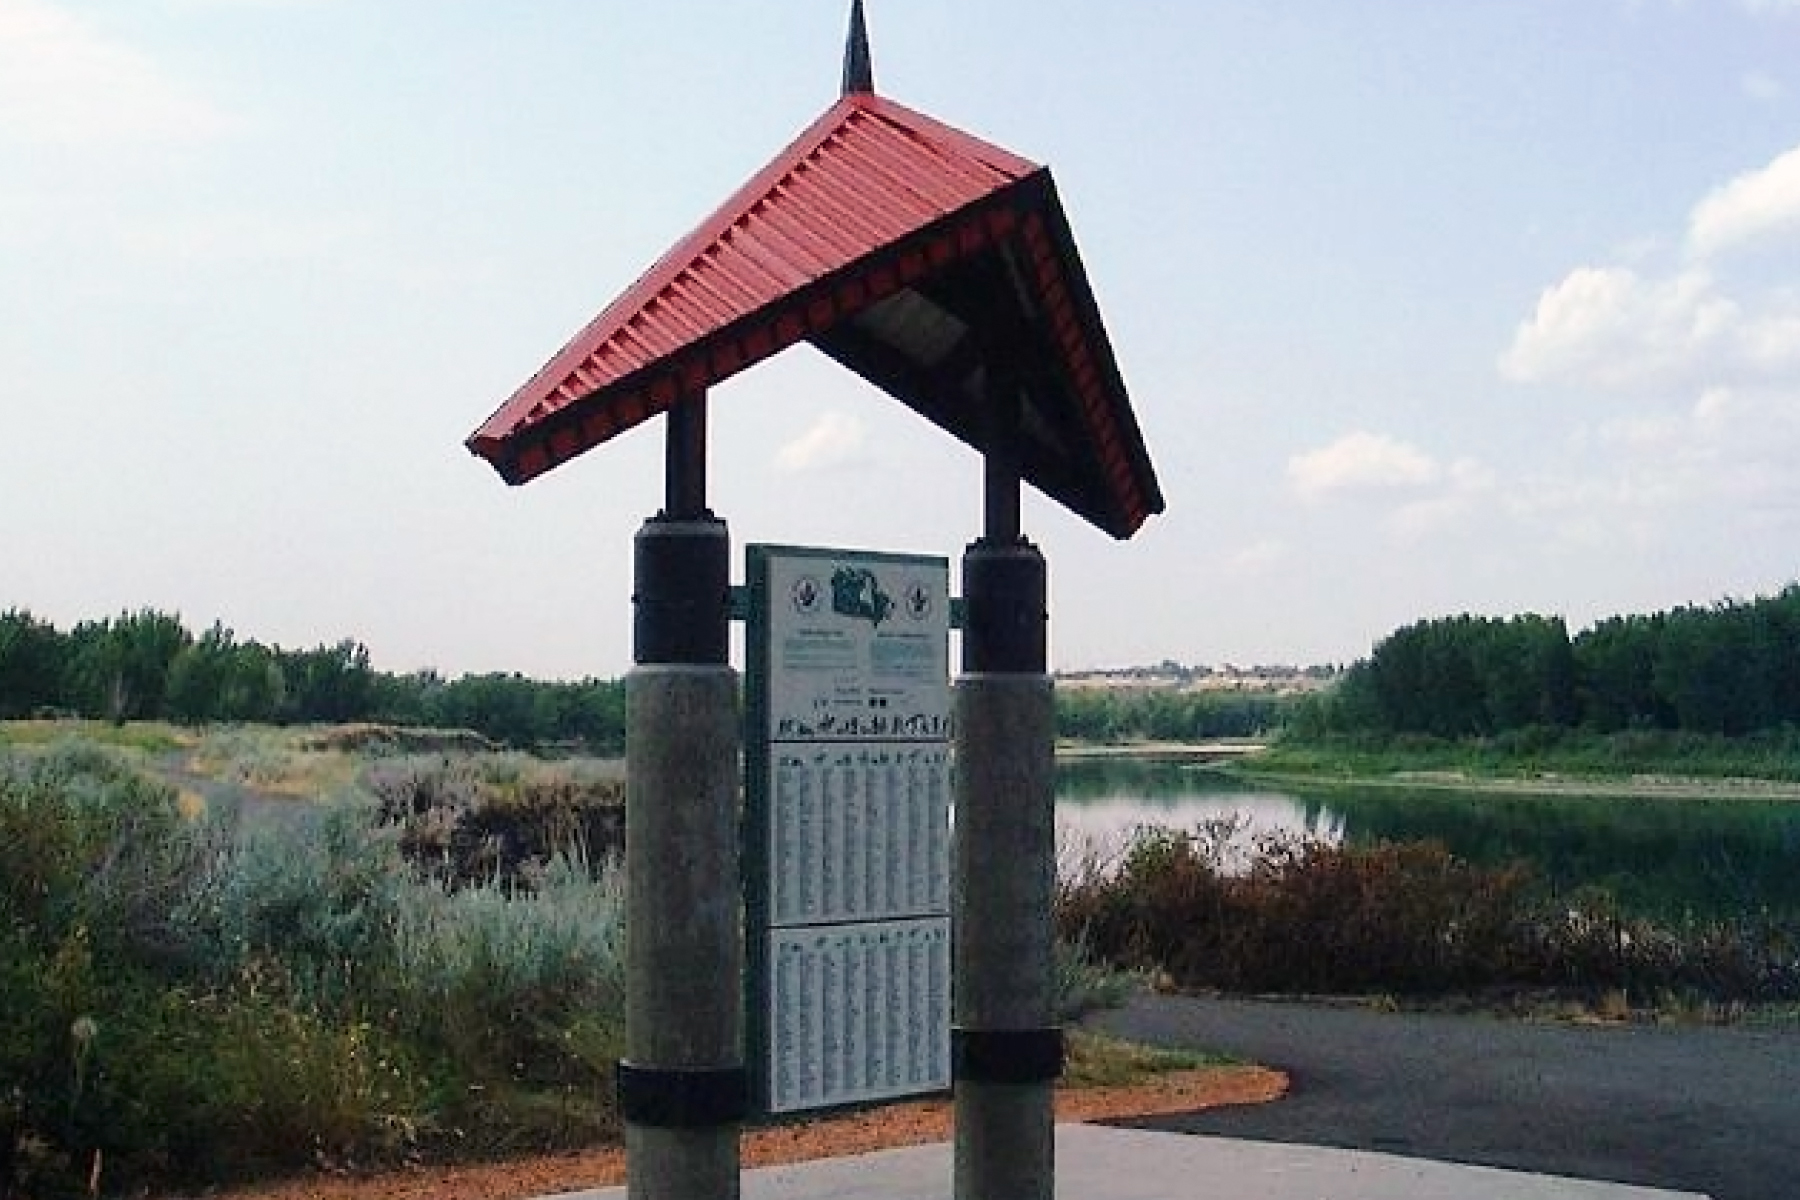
[1101, 804]
[1707, 859]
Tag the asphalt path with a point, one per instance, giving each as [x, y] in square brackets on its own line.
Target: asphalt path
[1713, 1110]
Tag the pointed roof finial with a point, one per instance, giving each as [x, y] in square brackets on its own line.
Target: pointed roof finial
[859, 67]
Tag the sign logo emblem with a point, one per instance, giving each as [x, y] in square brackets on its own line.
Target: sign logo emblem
[918, 602]
[806, 595]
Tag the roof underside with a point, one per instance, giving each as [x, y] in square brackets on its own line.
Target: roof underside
[938, 267]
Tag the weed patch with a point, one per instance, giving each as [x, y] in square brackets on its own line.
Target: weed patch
[1095, 1060]
[1406, 918]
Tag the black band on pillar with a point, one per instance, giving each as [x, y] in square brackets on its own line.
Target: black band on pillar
[1006, 1055]
[684, 1097]
[1006, 626]
[681, 611]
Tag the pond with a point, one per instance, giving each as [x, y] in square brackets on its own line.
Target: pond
[1663, 857]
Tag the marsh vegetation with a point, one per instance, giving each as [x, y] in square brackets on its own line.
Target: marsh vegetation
[247, 951]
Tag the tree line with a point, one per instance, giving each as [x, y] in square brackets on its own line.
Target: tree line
[1730, 669]
[148, 666]
[1165, 714]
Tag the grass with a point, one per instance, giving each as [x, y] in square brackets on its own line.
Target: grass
[142, 737]
[1534, 754]
[264, 759]
[428, 966]
[1094, 1060]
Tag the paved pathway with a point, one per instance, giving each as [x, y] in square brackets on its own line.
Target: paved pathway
[1693, 1109]
[1096, 1163]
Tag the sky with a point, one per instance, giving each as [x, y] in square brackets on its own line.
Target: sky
[1424, 308]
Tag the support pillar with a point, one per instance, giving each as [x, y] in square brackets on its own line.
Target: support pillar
[1007, 1047]
[683, 1090]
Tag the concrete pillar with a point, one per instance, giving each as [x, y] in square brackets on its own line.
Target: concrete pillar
[682, 1085]
[1007, 1046]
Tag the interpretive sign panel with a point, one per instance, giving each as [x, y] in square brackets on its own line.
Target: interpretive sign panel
[847, 831]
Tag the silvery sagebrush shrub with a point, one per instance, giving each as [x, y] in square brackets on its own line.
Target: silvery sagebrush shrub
[502, 973]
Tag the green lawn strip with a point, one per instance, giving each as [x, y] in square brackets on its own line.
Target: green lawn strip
[1324, 770]
[150, 737]
[1095, 1060]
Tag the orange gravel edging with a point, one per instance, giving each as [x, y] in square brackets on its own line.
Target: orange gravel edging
[893, 1125]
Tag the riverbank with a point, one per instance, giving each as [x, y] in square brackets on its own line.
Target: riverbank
[1546, 783]
[1223, 750]
[1457, 767]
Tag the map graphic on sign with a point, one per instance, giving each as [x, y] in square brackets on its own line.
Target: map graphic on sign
[856, 592]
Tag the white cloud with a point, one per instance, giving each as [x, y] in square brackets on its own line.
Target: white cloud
[1733, 447]
[834, 440]
[64, 81]
[1414, 495]
[1613, 327]
[1716, 320]
[204, 5]
[1361, 462]
[1758, 204]
[1771, 343]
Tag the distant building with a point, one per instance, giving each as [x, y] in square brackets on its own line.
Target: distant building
[1281, 680]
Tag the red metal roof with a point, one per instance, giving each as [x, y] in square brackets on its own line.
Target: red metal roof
[912, 252]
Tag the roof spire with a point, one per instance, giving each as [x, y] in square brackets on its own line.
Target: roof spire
[859, 67]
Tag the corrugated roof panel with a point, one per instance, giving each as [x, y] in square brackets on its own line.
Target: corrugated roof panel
[827, 242]
[791, 251]
[865, 154]
[845, 212]
[886, 167]
[857, 237]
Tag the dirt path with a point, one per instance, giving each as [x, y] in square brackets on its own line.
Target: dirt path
[1714, 1110]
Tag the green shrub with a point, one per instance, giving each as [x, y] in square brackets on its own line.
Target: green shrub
[1083, 982]
[495, 977]
[86, 841]
[313, 900]
[187, 1002]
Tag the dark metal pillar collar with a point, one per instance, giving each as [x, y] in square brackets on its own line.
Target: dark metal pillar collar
[1007, 623]
[681, 610]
